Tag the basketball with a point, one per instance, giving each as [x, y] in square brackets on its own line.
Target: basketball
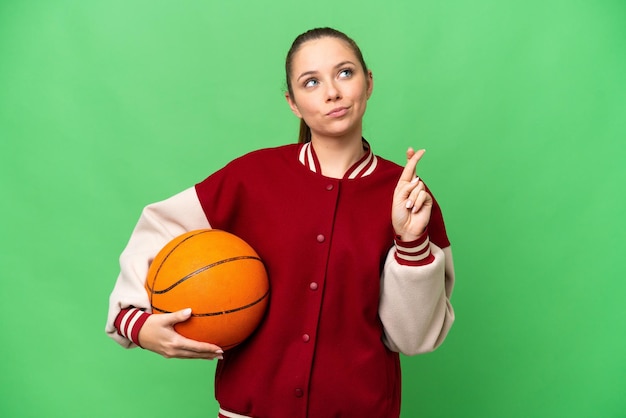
[216, 274]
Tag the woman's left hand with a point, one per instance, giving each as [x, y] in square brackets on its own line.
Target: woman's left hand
[412, 204]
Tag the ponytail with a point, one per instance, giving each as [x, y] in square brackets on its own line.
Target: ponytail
[305, 133]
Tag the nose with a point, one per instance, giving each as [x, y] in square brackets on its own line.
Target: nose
[332, 93]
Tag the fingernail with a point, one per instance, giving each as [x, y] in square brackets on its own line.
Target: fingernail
[409, 204]
[220, 357]
[187, 311]
[415, 180]
[219, 352]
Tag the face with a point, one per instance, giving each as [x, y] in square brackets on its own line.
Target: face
[330, 88]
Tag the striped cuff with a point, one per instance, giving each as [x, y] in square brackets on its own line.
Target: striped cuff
[414, 253]
[128, 323]
[227, 414]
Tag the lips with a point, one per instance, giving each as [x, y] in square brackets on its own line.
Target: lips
[337, 112]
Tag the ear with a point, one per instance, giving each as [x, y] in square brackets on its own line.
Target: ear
[370, 83]
[292, 105]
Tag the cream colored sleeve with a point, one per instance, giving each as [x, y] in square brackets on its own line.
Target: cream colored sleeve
[159, 223]
[415, 306]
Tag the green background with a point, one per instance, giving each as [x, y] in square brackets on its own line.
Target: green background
[106, 106]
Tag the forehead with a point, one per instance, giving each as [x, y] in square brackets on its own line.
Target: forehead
[318, 53]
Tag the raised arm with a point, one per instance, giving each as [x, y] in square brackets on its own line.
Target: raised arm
[418, 276]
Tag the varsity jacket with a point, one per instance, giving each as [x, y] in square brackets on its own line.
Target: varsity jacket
[346, 295]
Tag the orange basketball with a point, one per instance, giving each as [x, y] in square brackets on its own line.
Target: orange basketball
[216, 274]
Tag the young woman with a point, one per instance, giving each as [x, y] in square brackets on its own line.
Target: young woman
[355, 246]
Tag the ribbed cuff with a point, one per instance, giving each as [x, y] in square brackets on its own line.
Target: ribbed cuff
[129, 322]
[414, 253]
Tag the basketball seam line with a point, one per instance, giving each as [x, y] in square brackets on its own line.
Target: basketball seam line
[228, 311]
[200, 270]
[193, 234]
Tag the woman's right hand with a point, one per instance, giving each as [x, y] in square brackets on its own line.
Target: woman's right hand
[157, 334]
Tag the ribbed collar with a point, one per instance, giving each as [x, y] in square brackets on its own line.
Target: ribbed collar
[362, 168]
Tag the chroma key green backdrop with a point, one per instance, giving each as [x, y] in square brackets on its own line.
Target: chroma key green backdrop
[106, 106]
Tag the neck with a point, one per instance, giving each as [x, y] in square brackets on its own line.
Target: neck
[337, 155]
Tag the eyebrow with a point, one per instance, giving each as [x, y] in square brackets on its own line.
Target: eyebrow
[341, 64]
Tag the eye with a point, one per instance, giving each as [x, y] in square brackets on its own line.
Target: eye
[346, 73]
[311, 82]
